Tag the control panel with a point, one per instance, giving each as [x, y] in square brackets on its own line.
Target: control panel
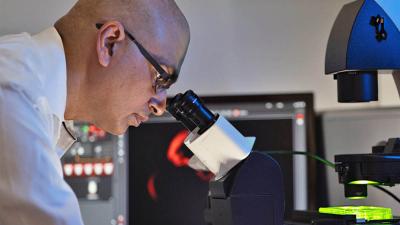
[96, 167]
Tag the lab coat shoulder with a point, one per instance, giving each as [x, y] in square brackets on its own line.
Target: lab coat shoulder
[20, 64]
[32, 190]
[23, 69]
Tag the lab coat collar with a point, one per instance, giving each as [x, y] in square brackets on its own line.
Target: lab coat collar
[53, 68]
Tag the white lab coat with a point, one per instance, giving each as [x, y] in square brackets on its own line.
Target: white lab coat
[32, 104]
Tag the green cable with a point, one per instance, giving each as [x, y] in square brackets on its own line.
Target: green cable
[324, 161]
[329, 164]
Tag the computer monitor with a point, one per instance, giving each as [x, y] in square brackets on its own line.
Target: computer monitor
[164, 190]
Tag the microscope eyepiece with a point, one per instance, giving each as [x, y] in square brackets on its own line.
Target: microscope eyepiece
[173, 107]
[190, 110]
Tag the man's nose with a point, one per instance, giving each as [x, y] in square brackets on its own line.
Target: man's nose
[158, 103]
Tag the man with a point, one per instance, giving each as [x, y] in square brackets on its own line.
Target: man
[108, 62]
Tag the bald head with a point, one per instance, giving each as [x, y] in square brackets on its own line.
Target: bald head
[110, 80]
[159, 25]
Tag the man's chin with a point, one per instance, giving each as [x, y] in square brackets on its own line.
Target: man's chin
[121, 130]
[115, 130]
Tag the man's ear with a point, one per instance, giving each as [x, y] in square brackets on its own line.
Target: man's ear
[109, 34]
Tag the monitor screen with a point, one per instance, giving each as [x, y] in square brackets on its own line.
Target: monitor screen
[164, 190]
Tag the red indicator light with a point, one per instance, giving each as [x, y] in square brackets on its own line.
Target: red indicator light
[299, 116]
[88, 168]
[96, 132]
[236, 113]
[120, 220]
[78, 169]
[98, 169]
[68, 169]
[108, 168]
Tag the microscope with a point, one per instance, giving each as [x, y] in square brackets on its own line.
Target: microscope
[248, 185]
[364, 42]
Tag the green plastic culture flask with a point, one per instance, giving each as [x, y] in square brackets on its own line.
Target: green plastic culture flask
[367, 213]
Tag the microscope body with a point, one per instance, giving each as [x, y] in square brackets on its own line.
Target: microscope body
[250, 194]
[364, 40]
[248, 185]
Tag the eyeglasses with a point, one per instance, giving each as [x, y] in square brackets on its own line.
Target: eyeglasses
[162, 80]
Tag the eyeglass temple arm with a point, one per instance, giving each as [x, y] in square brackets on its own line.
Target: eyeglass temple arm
[142, 50]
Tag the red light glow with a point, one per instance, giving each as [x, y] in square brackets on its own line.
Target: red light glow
[88, 169]
[97, 132]
[299, 116]
[236, 113]
[178, 159]
[174, 155]
[205, 176]
[151, 188]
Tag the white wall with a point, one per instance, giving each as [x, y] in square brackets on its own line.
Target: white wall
[237, 47]
[30, 15]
